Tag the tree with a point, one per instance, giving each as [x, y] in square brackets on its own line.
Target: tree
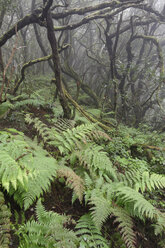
[131, 22]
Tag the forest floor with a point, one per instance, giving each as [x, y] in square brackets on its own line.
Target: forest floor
[59, 197]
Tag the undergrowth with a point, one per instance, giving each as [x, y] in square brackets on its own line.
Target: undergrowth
[119, 176]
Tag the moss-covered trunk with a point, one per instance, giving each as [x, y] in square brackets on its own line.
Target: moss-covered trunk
[56, 63]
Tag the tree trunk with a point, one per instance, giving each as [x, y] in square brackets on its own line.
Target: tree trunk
[56, 63]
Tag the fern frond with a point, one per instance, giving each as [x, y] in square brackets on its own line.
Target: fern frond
[89, 234]
[47, 231]
[41, 128]
[101, 210]
[145, 208]
[97, 135]
[14, 169]
[69, 140]
[10, 172]
[74, 181]
[125, 226]
[131, 178]
[25, 171]
[93, 157]
[45, 217]
[45, 173]
[62, 125]
[152, 181]
[142, 180]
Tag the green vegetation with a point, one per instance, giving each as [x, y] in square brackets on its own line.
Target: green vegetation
[117, 178]
[82, 114]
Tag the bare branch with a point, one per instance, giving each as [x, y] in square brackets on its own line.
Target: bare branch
[102, 14]
[81, 11]
[28, 19]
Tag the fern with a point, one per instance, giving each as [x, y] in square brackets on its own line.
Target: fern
[72, 180]
[97, 196]
[47, 231]
[115, 185]
[143, 181]
[152, 181]
[14, 169]
[101, 210]
[98, 135]
[89, 234]
[41, 128]
[114, 199]
[130, 178]
[62, 125]
[25, 172]
[94, 158]
[125, 226]
[104, 208]
[4, 223]
[69, 140]
[127, 195]
[45, 173]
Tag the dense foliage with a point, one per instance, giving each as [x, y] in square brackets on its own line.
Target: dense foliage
[118, 177]
[82, 113]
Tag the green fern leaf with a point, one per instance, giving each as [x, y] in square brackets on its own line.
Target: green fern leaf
[155, 181]
[68, 140]
[45, 168]
[101, 210]
[89, 234]
[47, 231]
[125, 226]
[11, 171]
[26, 170]
[94, 158]
[144, 208]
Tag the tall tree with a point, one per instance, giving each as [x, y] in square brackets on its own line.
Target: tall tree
[122, 70]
